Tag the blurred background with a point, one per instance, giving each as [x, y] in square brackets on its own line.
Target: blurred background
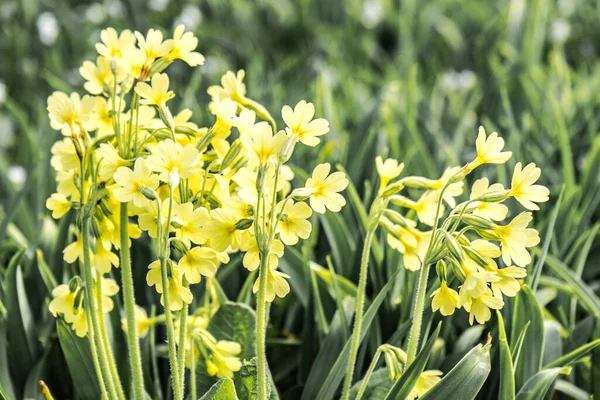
[407, 79]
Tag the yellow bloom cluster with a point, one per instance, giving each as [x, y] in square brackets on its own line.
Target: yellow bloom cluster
[202, 193]
[471, 237]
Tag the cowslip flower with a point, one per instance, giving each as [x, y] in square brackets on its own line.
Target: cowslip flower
[169, 156]
[325, 189]
[221, 229]
[183, 45]
[294, 223]
[515, 238]
[261, 142]
[198, 262]
[152, 44]
[74, 251]
[222, 360]
[426, 381]
[142, 321]
[190, 223]
[178, 293]
[444, 299]
[508, 283]
[58, 204]
[387, 170]
[300, 123]
[113, 45]
[489, 150]
[252, 254]
[232, 87]
[479, 307]
[492, 211]
[277, 284]
[523, 188]
[68, 113]
[131, 183]
[99, 76]
[104, 259]
[156, 94]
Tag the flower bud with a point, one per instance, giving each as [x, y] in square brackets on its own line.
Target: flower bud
[453, 246]
[149, 193]
[173, 179]
[261, 177]
[396, 218]
[301, 194]
[79, 146]
[244, 224]
[417, 182]
[460, 175]
[205, 141]
[179, 246]
[477, 222]
[231, 155]
[440, 268]
[74, 284]
[287, 150]
[392, 189]
[250, 210]
[167, 118]
[494, 197]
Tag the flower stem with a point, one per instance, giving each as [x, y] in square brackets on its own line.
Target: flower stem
[193, 370]
[365, 381]
[170, 331]
[97, 367]
[92, 310]
[261, 327]
[133, 343]
[181, 342]
[360, 301]
[105, 342]
[417, 319]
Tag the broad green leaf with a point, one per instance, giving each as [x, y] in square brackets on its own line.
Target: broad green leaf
[573, 356]
[553, 343]
[527, 310]
[327, 388]
[246, 382]
[222, 390]
[407, 381]
[539, 384]
[345, 286]
[377, 387]
[464, 381]
[79, 361]
[342, 244]
[506, 391]
[515, 348]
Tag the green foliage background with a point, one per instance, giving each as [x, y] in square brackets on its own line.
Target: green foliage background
[410, 80]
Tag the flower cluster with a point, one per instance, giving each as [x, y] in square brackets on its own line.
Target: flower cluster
[202, 193]
[470, 240]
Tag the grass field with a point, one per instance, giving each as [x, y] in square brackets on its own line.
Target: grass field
[405, 80]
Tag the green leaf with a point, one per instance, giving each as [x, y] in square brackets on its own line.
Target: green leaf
[6, 386]
[379, 385]
[527, 310]
[19, 323]
[79, 361]
[464, 381]
[407, 381]
[246, 382]
[222, 390]
[45, 272]
[336, 374]
[506, 391]
[342, 244]
[538, 385]
[573, 356]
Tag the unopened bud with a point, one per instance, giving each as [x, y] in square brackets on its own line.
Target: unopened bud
[79, 147]
[417, 182]
[179, 245]
[494, 197]
[459, 175]
[477, 222]
[287, 150]
[205, 141]
[261, 177]
[74, 284]
[453, 246]
[173, 179]
[244, 224]
[159, 66]
[231, 155]
[396, 218]
[440, 268]
[301, 194]
[392, 189]
[250, 209]
[149, 193]
[167, 118]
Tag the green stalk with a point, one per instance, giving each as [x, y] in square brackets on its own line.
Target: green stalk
[97, 367]
[261, 327]
[182, 337]
[193, 370]
[92, 310]
[106, 342]
[365, 381]
[360, 302]
[133, 343]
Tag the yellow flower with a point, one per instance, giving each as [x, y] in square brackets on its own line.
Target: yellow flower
[222, 361]
[131, 183]
[111, 161]
[277, 284]
[294, 223]
[141, 319]
[489, 150]
[508, 283]
[412, 244]
[178, 294]
[425, 207]
[479, 307]
[232, 87]
[68, 114]
[99, 77]
[64, 156]
[58, 204]
[325, 189]
[261, 142]
[104, 258]
[245, 121]
[300, 123]
[252, 256]
[444, 299]
[388, 170]
[190, 223]
[153, 45]
[221, 229]
[156, 94]
[492, 211]
[114, 45]
[74, 251]
[426, 381]
[523, 188]
[183, 46]
[169, 156]
[476, 280]
[147, 220]
[515, 238]
[101, 119]
[246, 180]
[197, 262]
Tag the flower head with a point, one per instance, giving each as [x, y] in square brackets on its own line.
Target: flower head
[523, 188]
[300, 123]
[325, 189]
[444, 299]
[387, 170]
[515, 238]
[183, 45]
[232, 87]
[153, 45]
[489, 150]
[131, 183]
[156, 94]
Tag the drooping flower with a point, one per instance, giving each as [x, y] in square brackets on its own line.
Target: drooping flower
[515, 238]
[444, 299]
[277, 284]
[198, 262]
[508, 283]
[294, 223]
